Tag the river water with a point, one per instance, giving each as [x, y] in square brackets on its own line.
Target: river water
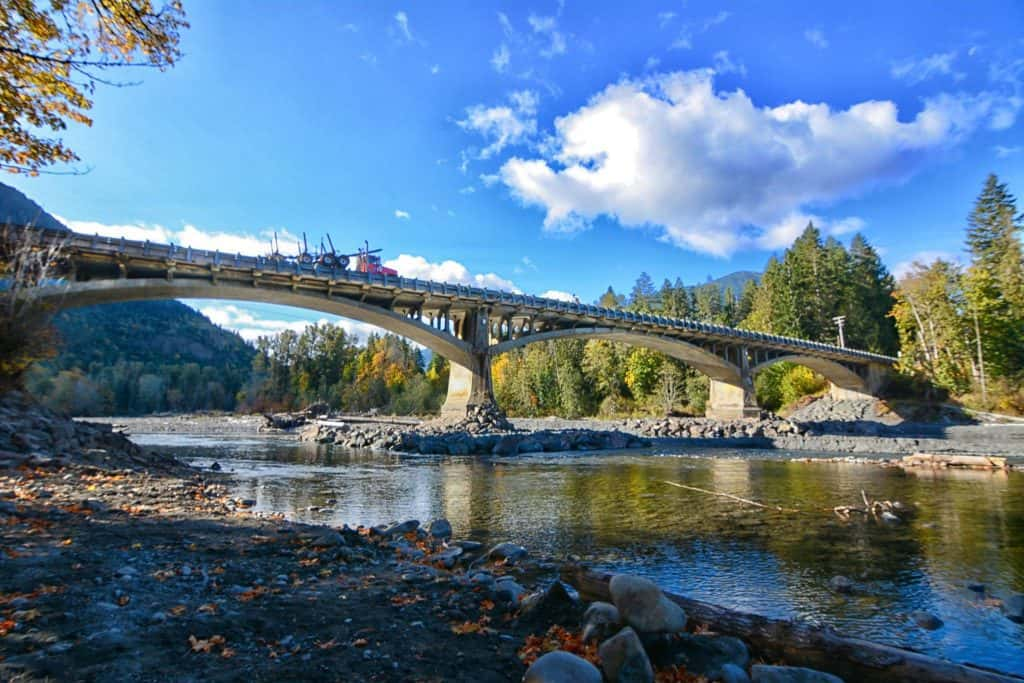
[616, 511]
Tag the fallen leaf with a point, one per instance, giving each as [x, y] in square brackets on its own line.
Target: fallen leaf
[329, 645]
[360, 642]
[123, 600]
[207, 608]
[204, 645]
[177, 610]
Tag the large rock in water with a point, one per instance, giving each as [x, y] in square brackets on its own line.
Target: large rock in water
[644, 607]
[623, 658]
[762, 673]
[562, 667]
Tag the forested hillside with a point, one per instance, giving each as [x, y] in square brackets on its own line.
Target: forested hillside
[141, 357]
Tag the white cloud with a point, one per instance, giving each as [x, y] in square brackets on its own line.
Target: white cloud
[724, 64]
[719, 18]
[469, 189]
[1004, 152]
[704, 166]
[684, 41]
[369, 58]
[914, 71]
[782, 233]
[501, 58]
[191, 236]
[490, 179]
[665, 18]
[548, 27]
[503, 125]
[449, 271]
[924, 258]
[402, 19]
[651, 63]
[435, 69]
[403, 215]
[558, 295]
[816, 37]
[251, 325]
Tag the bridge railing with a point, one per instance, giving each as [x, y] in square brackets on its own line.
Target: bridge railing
[264, 264]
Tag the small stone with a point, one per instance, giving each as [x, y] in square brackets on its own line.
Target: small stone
[644, 607]
[623, 658]
[510, 552]
[562, 667]
[926, 620]
[601, 620]
[840, 584]
[441, 528]
[762, 673]
[215, 467]
[509, 590]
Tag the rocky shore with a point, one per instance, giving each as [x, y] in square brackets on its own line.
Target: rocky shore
[120, 565]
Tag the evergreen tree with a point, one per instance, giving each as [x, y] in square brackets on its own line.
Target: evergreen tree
[642, 298]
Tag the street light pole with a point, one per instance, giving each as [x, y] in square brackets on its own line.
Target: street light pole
[839, 320]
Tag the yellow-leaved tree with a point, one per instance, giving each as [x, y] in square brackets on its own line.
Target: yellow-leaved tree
[53, 53]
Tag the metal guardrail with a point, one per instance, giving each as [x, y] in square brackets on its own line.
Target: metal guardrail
[171, 253]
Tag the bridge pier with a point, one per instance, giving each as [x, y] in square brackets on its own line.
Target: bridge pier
[732, 399]
[469, 387]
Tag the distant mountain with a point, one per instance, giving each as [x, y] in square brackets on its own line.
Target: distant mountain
[142, 357]
[737, 280]
[17, 209]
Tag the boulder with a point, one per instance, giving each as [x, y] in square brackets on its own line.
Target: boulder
[553, 605]
[601, 620]
[708, 655]
[562, 667]
[623, 659]
[509, 552]
[507, 589]
[734, 674]
[441, 528]
[762, 673]
[401, 528]
[506, 445]
[644, 607]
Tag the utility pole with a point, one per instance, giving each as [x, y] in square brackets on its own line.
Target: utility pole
[839, 320]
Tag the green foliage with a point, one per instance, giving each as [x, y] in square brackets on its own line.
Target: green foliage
[323, 364]
[140, 357]
[781, 384]
[816, 281]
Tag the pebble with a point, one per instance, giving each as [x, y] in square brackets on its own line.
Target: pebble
[644, 607]
[562, 667]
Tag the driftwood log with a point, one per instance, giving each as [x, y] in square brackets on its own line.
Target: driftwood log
[801, 644]
[976, 462]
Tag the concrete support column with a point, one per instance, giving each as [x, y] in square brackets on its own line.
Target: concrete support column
[734, 400]
[874, 381]
[471, 386]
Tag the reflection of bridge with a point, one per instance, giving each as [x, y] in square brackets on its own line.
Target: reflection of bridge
[466, 325]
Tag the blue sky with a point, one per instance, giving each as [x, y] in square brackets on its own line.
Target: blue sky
[558, 147]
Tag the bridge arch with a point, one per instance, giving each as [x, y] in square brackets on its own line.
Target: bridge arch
[94, 292]
[838, 374]
[701, 359]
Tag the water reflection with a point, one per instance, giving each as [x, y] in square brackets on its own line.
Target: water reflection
[616, 510]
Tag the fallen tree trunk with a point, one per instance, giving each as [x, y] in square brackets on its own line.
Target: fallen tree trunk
[801, 644]
[980, 462]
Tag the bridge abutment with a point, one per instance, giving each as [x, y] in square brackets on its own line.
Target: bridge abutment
[731, 401]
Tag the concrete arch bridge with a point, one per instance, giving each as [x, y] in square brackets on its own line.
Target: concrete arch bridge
[466, 325]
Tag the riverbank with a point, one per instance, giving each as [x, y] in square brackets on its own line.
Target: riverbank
[861, 428]
[124, 565]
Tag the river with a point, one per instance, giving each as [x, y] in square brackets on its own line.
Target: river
[616, 511]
